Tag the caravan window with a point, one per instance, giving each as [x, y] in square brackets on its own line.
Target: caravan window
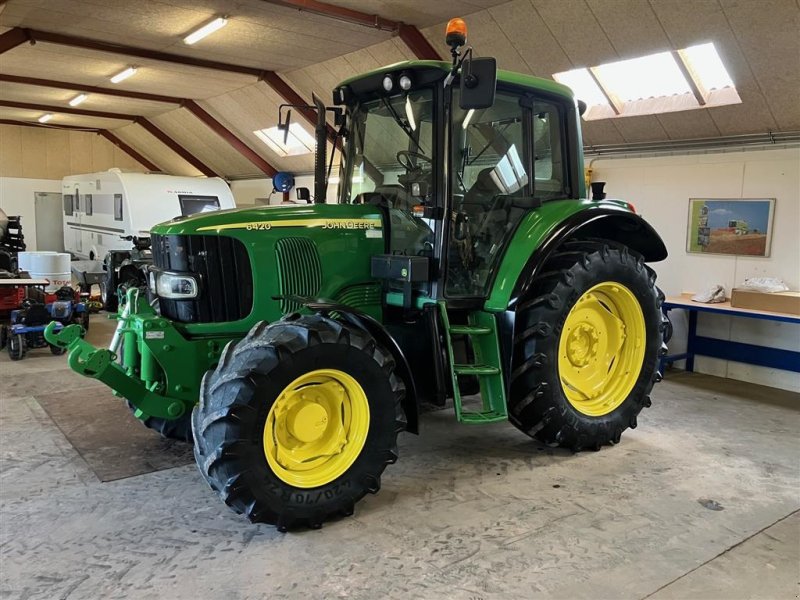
[68, 208]
[118, 207]
[87, 208]
[191, 205]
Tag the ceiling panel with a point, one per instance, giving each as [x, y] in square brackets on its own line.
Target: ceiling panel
[159, 154]
[641, 129]
[421, 13]
[770, 57]
[192, 134]
[630, 25]
[577, 31]
[688, 124]
[530, 36]
[601, 133]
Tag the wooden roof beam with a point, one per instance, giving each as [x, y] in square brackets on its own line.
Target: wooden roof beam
[92, 89]
[68, 110]
[89, 44]
[227, 135]
[12, 38]
[162, 137]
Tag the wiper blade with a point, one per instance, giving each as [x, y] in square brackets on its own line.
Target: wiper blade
[403, 125]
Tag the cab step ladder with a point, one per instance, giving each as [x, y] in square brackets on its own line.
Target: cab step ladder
[482, 330]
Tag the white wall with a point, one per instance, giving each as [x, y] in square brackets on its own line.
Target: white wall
[660, 188]
[17, 198]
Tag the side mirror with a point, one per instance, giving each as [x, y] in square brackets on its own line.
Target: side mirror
[478, 83]
[284, 127]
[303, 194]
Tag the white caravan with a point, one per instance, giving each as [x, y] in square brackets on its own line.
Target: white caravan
[101, 208]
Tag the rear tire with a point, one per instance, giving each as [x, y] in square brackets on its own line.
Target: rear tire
[255, 376]
[56, 350]
[541, 403]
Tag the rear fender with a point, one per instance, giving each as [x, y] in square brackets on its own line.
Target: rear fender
[363, 321]
[607, 221]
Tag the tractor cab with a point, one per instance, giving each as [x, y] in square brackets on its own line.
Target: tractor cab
[454, 175]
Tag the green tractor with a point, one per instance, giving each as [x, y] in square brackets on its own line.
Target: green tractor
[460, 261]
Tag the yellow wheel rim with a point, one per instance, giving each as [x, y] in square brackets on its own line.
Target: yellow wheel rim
[601, 349]
[316, 428]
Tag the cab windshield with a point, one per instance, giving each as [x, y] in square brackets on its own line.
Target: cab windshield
[389, 151]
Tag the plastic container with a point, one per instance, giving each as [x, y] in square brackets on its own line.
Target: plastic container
[52, 266]
[24, 259]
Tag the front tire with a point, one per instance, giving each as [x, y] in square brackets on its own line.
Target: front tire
[16, 347]
[298, 421]
[588, 338]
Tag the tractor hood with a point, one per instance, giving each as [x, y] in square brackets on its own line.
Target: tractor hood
[266, 218]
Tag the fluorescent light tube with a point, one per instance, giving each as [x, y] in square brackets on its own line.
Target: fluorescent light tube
[78, 99]
[205, 30]
[122, 75]
[45, 117]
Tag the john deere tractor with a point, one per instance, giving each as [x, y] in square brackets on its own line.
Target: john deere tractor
[461, 260]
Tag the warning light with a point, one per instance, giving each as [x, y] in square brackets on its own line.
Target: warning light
[456, 32]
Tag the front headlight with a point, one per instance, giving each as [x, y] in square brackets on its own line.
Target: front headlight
[176, 286]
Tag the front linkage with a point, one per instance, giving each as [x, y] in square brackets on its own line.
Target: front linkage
[149, 362]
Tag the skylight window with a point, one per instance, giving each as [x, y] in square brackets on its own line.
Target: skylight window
[584, 86]
[708, 67]
[663, 82]
[646, 77]
[298, 142]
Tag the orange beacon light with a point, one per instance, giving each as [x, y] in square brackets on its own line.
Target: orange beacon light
[456, 32]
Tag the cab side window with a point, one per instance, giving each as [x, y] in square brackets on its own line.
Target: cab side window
[548, 151]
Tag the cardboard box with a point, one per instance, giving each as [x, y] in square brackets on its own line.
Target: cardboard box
[781, 302]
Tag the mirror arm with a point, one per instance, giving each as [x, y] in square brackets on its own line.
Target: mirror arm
[458, 60]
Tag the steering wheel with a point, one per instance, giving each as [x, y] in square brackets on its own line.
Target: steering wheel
[404, 158]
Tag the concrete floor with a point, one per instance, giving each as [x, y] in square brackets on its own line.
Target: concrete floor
[467, 512]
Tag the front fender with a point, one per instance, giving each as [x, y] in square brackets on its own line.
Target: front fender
[545, 229]
[376, 329]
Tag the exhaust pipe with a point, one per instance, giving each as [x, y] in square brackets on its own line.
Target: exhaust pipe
[320, 159]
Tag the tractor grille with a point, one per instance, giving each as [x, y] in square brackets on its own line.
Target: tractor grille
[299, 270]
[222, 267]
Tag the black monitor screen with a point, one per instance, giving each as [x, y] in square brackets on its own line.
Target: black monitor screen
[191, 205]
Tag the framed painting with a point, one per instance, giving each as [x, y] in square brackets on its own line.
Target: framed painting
[736, 226]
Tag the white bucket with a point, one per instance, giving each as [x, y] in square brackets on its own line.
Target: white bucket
[49, 262]
[24, 259]
[52, 266]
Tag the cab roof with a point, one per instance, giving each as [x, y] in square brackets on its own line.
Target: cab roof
[526, 81]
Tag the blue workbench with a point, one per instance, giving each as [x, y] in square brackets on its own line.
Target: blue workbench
[763, 356]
